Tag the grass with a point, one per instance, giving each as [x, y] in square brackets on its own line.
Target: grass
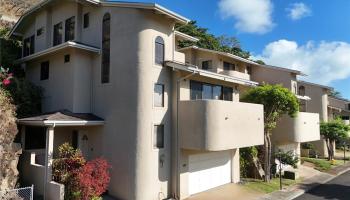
[323, 164]
[264, 187]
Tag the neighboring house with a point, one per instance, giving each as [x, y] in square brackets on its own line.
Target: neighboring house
[115, 85]
[290, 132]
[339, 108]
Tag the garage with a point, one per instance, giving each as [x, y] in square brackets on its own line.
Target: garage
[209, 170]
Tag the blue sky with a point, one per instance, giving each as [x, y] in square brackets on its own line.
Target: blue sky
[308, 35]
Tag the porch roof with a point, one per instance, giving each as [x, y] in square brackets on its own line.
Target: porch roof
[62, 118]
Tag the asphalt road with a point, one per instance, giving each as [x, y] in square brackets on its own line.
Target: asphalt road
[337, 189]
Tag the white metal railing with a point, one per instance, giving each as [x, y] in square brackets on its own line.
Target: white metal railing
[25, 193]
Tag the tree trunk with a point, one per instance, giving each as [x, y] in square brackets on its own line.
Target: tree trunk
[267, 154]
[329, 149]
[331, 154]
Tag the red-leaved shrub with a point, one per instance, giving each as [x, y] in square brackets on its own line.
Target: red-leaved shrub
[93, 178]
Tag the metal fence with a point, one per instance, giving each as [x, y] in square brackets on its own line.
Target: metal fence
[18, 194]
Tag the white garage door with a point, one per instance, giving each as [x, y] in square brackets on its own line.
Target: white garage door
[209, 170]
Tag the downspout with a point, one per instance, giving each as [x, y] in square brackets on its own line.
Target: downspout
[177, 180]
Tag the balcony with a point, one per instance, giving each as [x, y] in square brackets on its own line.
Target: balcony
[179, 57]
[303, 128]
[214, 125]
[236, 74]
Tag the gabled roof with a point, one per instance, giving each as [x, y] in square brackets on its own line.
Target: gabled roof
[150, 6]
[220, 53]
[62, 118]
[66, 45]
[317, 85]
[297, 72]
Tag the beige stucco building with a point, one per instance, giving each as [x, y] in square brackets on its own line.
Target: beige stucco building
[115, 85]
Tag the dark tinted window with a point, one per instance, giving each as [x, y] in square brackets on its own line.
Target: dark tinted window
[66, 58]
[206, 64]
[227, 93]
[69, 29]
[158, 95]
[35, 137]
[57, 34]
[301, 91]
[40, 31]
[105, 66]
[196, 90]
[28, 46]
[86, 20]
[44, 70]
[158, 136]
[159, 50]
[249, 70]
[209, 91]
[229, 66]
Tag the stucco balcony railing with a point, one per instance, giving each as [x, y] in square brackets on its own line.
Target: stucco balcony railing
[179, 57]
[303, 128]
[236, 74]
[214, 125]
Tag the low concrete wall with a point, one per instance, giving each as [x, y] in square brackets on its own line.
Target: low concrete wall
[215, 125]
[55, 191]
[32, 173]
[304, 128]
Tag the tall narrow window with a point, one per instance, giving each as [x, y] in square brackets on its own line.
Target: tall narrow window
[105, 67]
[301, 91]
[86, 20]
[57, 34]
[28, 46]
[227, 93]
[196, 90]
[44, 70]
[159, 95]
[69, 29]
[158, 136]
[159, 51]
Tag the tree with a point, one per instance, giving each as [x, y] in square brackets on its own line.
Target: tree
[333, 131]
[335, 93]
[277, 101]
[222, 43]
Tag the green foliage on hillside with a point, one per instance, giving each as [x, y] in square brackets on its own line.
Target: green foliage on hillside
[222, 43]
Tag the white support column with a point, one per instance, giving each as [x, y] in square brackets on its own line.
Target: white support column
[235, 168]
[48, 157]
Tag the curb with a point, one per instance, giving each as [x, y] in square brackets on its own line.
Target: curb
[298, 191]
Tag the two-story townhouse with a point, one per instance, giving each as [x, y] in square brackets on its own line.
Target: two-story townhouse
[115, 86]
[318, 103]
[290, 132]
[339, 108]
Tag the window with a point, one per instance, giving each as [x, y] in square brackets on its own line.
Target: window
[159, 95]
[227, 93]
[86, 20]
[28, 46]
[302, 105]
[69, 29]
[40, 31]
[75, 139]
[249, 70]
[158, 136]
[301, 91]
[44, 71]
[66, 58]
[206, 65]
[105, 67]
[349, 106]
[200, 90]
[35, 137]
[57, 34]
[159, 51]
[229, 66]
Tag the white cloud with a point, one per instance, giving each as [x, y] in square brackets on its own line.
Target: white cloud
[298, 10]
[252, 16]
[323, 62]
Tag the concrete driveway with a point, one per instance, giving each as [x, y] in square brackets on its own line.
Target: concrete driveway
[227, 192]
